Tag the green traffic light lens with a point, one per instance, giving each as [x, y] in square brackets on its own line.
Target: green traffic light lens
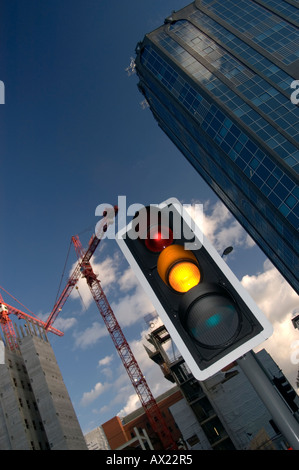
[213, 321]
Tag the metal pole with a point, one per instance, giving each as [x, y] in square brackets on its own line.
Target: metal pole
[279, 411]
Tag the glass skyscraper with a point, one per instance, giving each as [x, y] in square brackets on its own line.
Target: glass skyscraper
[219, 77]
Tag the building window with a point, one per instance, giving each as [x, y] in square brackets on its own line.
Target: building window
[193, 440]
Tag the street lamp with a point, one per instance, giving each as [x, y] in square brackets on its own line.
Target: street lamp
[227, 251]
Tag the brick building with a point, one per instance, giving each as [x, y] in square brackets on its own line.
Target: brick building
[124, 431]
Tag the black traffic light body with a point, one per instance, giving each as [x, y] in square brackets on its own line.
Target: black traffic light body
[206, 310]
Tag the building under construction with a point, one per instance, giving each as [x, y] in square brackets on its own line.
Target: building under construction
[36, 412]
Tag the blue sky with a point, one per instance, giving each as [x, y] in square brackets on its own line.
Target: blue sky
[74, 135]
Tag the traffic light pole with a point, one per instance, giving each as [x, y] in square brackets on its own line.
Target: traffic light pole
[282, 416]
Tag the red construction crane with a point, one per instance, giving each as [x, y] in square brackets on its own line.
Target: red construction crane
[7, 325]
[138, 380]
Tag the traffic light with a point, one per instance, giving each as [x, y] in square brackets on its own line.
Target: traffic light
[207, 312]
[286, 391]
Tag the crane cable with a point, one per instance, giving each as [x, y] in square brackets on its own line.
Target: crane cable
[81, 298]
[17, 301]
[63, 272]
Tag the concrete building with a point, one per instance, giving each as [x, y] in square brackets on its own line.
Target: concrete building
[219, 78]
[36, 412]
[224, 411]
[96, 439]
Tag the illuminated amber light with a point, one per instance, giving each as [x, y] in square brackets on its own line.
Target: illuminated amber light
[183, 276]
[178, 268]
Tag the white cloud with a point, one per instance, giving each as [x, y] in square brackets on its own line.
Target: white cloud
[64, 324]
[153, 375]
[219, 226]
[106, 360]
[107, 272]
[122, 384]
[90, 336]
[128, 280]
[108, 372]
[89, 397]
[132, 308]
[272, 293]
[132, 404]
[277, 300]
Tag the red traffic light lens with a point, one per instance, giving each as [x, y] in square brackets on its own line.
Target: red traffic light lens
[158, 238]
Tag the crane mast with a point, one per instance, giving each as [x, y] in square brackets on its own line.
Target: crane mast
[138, 380]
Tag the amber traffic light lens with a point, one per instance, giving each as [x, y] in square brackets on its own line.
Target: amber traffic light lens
[158, 238]
[178, 268]
[183, 276]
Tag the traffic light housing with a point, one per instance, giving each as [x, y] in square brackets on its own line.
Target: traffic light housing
[207, 312]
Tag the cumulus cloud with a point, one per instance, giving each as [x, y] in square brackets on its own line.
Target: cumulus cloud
[106, 360]
[128, 280]
[107, 272]
[122, 384]
[89, 397]
[151, 371]
[132, 307]
[132, 404]
[278, 301]
[271, 292]
[219, 226]
[90, 335]
[65, 324]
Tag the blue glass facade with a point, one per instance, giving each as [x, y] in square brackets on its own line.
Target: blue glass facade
[217, 77]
